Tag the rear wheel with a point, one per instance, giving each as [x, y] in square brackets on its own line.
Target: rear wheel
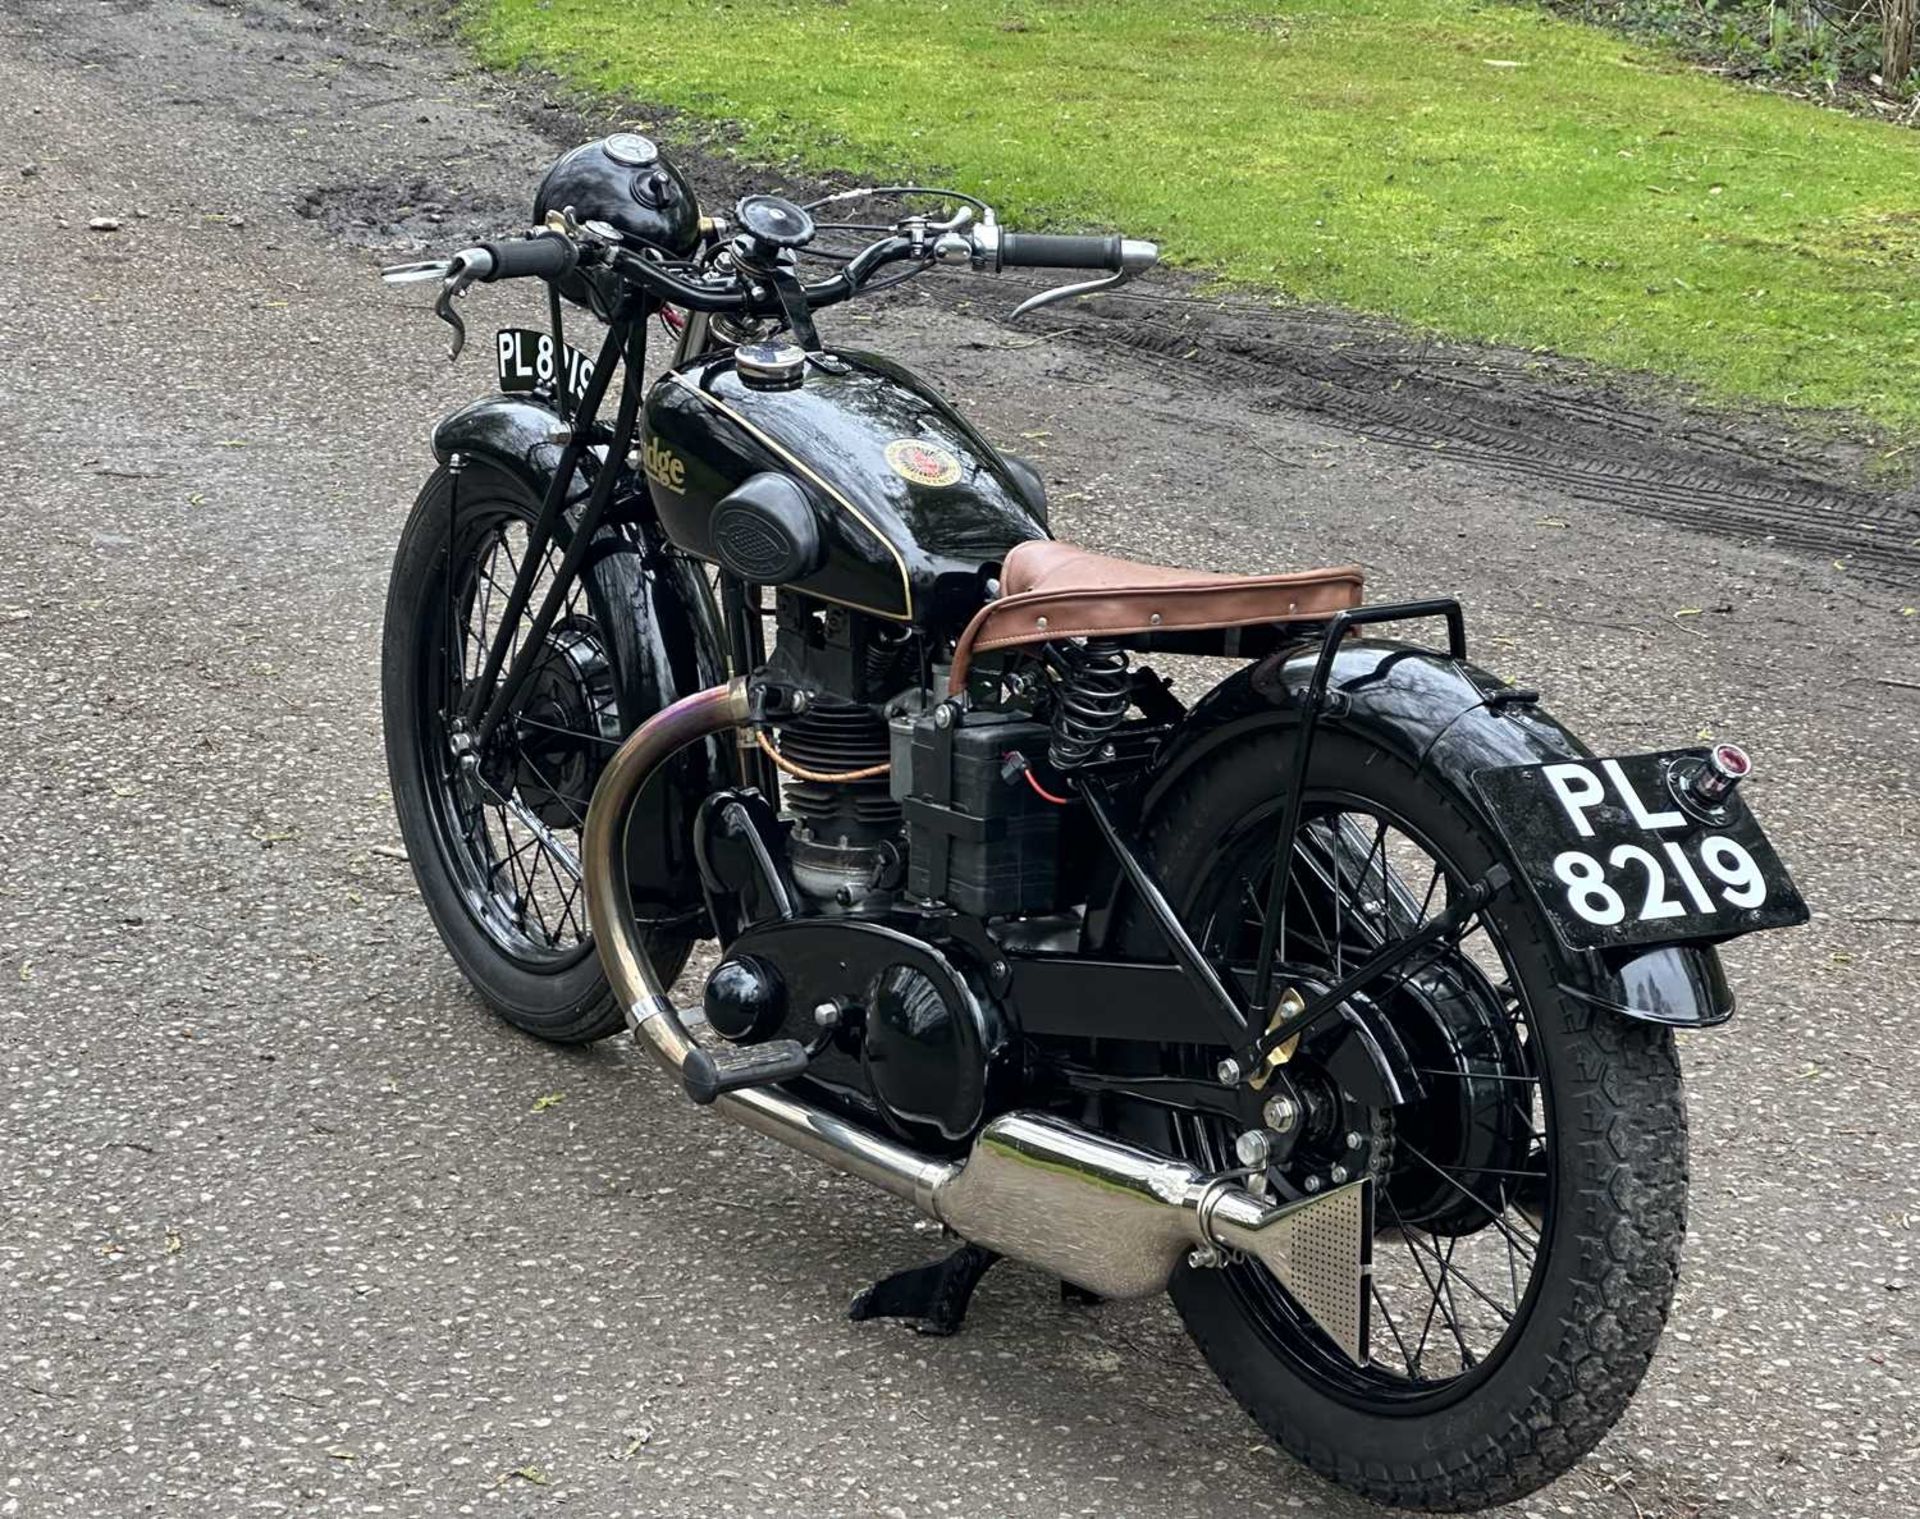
[1530, 1206]
[494, 832]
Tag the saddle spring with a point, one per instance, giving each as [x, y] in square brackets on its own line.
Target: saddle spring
[1090, 700]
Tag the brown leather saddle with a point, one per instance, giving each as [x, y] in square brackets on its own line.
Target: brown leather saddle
[1050, 589]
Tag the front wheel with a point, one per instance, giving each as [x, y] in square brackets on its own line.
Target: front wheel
[1530, 1206]
[495, 839]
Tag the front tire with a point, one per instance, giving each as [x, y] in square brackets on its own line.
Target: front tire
[495, 853]
[1486, 1421]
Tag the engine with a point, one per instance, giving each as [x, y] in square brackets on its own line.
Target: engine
[845, 847]
[851, 906]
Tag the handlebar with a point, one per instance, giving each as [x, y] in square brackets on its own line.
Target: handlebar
[751, 287]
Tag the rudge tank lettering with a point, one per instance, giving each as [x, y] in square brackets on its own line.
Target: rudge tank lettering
[663, 467]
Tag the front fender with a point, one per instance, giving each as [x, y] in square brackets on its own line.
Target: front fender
[518, 434]
[1448, 719]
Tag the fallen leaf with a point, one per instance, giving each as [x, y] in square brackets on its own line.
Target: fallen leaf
[541, 1104]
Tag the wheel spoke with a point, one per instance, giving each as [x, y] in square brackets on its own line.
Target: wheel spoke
[1453, 1325]
[1493, 1215]
[1386, 1314]
[1414, 1244]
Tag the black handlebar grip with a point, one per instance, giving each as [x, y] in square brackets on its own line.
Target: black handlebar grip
[1048, 250]
[548, 255]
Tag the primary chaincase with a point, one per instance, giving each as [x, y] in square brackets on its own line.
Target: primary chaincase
[897, 1028]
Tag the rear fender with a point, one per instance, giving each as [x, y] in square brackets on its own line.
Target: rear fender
[1448, 719]
[661, 630]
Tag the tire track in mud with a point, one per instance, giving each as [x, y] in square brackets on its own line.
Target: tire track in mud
[1518, 417]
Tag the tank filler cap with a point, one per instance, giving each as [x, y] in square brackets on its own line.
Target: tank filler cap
[770, 366]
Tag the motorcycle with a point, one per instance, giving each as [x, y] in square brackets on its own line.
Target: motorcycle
[1339, 1003]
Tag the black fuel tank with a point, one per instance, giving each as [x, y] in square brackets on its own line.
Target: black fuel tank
[911, 500]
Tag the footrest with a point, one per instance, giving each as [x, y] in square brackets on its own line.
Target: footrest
[708, 1073]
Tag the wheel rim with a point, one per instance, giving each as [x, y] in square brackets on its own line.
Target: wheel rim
[509, 827]
[1462, 1235]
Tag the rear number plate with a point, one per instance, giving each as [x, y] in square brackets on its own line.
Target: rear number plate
[524, 358]
[1614, 859]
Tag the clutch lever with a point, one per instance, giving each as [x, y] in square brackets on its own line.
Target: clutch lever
[455, 275]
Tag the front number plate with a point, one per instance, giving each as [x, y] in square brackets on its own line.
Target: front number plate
[1614, 859]
[524, 360]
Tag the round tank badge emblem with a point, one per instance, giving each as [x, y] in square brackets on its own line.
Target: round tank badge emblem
[922, 463]
[631, 149]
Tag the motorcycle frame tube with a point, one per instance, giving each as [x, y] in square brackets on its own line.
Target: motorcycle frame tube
[498, 698]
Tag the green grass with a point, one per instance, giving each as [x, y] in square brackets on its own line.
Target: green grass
[1484, 171]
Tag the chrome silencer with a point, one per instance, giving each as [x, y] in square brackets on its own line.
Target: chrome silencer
[1117, 1220]
[1107, 1216]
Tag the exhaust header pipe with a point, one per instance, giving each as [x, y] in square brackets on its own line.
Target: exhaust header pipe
[1109, 1217]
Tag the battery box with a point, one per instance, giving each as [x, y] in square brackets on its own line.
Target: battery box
[985, 845]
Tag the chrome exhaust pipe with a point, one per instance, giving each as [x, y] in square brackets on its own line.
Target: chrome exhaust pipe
[1109, 1217]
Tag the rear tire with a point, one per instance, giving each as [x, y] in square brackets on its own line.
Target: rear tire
[552, 990]
[1584, 1327]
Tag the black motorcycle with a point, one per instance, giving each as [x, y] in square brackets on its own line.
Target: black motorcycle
[1339, 1003]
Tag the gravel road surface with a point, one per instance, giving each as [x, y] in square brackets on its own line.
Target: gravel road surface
[289, 1225]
